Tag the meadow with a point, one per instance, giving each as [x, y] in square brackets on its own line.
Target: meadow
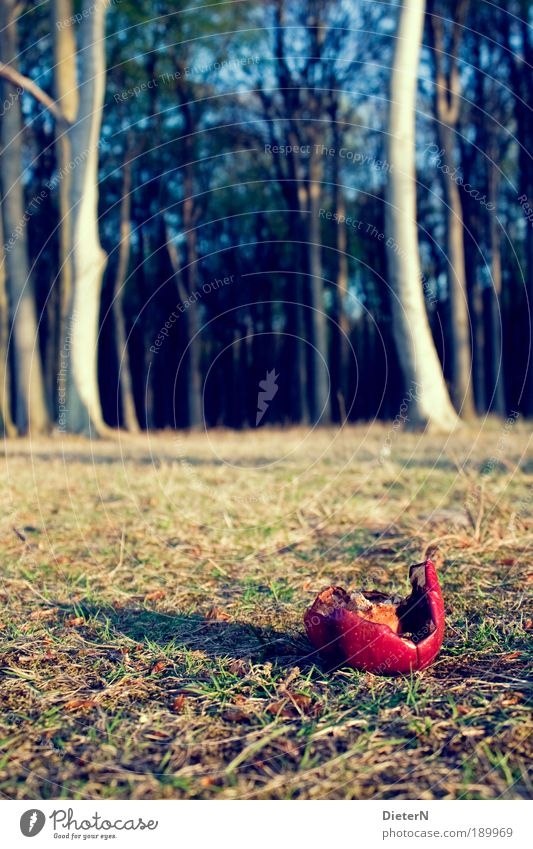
[153, 591]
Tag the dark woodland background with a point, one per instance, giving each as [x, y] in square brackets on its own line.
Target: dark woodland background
[220, 245]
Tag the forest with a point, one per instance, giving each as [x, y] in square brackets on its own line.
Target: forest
[266, 389]
[196, 197]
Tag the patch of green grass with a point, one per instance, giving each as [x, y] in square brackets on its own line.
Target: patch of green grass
[152, 642]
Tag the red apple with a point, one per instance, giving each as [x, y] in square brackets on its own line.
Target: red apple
[374, 633]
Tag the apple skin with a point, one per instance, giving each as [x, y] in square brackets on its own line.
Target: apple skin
[344, 638]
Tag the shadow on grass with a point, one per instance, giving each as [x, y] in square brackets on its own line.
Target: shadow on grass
[236, 640]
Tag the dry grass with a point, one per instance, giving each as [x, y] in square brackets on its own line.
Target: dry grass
[151, 635]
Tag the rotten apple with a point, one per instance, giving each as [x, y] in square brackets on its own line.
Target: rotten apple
[378, 633]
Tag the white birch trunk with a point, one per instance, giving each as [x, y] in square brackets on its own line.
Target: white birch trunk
[83, 410]
[31, 413]
[429, 400]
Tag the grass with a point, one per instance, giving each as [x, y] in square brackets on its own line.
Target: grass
[153, 589]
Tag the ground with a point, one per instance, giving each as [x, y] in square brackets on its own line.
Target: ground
[152, 643]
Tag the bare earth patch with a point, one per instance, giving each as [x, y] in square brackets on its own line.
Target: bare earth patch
[152, 643]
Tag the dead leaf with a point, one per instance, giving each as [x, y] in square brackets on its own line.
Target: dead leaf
[288, 747]
[158, 667]
[76, 620]
[238, 668]
[235, 715]
[282, 708]
[178, 704]
[79, 704]
[156, 595]
[46, 613]
[511, 698]
[217, 615]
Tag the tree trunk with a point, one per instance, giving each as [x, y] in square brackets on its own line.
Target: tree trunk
[521, 84]
[447, 105]
[429, 402]
[476, 309]
[83, 413]
[340, 360]
[461, 351]
[497, 384]
[66, 92]
[295, 196]
[31, 414]
[194, 381]
[7, 428]
[190, 220]
[318, 318]
[129, 414]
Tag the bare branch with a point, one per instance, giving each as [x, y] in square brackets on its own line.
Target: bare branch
[32, 88]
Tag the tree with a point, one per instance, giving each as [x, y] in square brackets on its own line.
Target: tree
[80, 339]
[518, 41]
[7, 428]
[84, 414]
[31, 413]
[447, 100]
[127, 402]
[429, 400]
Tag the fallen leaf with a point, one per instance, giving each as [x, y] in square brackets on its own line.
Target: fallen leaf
[47, 613]
[155, 596]
[235, 715]
[76, 620]
[157, 735]
[78, 704]
[282, 708]
[512, 698]
[157, 667]
[178, 704]
[288, 747]
[218, 615]
[238, 668]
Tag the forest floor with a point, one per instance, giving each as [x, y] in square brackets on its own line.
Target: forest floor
[153, 590]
